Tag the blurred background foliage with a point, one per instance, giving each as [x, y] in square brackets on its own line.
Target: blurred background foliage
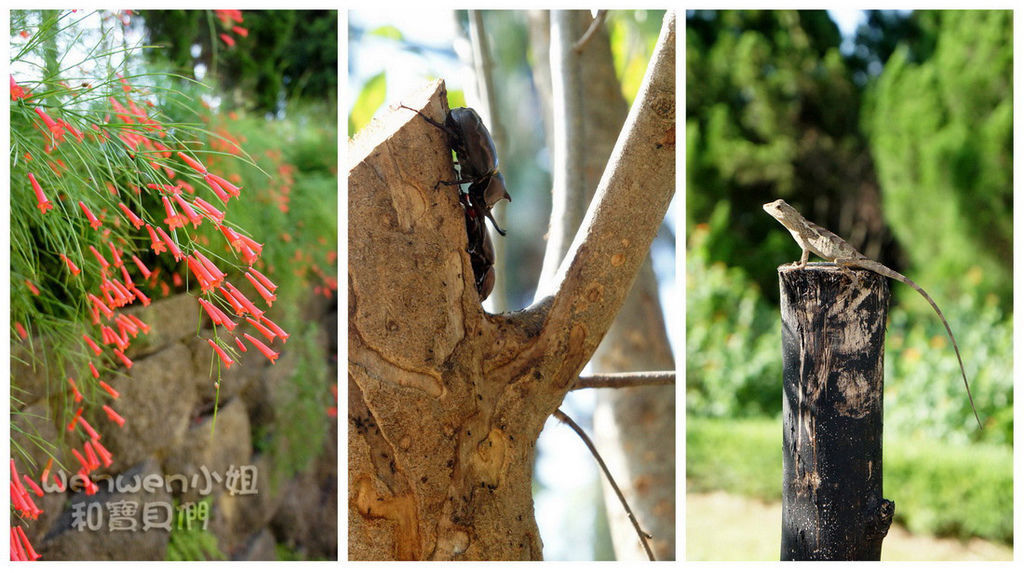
[285, 55]
[896, 135]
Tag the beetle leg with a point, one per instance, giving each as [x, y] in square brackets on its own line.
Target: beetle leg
[495, 223]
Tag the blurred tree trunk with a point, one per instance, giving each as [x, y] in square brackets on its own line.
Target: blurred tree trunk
[445, 400]
[635, 428]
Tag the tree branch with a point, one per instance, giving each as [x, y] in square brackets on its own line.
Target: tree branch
[626, 380]
[598, 271]
[568, 190]
[562, 417]
[598, 20]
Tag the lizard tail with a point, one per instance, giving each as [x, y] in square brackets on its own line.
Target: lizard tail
[949, 331]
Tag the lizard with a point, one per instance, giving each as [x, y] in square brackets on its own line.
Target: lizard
[831, 247]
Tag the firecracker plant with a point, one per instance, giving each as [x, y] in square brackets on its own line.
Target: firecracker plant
[112, 204]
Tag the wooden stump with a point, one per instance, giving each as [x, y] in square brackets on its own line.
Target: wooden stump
[833, 334]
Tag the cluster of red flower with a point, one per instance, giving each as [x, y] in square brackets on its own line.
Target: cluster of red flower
[118, 289]
[226, 18]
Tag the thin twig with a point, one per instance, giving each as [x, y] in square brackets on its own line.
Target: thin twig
[626, 380]
[565, 419]
[598, 20]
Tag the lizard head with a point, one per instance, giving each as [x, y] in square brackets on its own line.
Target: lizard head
[779, 209]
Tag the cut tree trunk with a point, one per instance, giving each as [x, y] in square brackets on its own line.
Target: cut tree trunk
[833, 336]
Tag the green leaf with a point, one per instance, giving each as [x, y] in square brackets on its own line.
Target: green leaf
[389, 32]
[371, 97]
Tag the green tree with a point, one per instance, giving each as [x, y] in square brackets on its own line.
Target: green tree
[941, 132]
[772, 112]
[273, 55]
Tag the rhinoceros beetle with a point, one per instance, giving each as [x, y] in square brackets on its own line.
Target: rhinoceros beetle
[477, 158]
[469, 138]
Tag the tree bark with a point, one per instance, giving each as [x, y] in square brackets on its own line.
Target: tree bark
[833, 335]
[445, 400]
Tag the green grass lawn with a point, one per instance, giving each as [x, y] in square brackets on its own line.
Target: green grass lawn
[939, 489]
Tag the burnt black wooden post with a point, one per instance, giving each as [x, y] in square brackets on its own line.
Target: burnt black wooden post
[833, 333]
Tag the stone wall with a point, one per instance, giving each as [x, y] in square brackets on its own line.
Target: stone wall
[167, 400]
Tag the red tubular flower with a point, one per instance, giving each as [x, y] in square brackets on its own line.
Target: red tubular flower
[224, 358]
[99, 305]
[240, 345]
[88, 214]
[266, 332]
[127, 277]
[32, 287]
[277, 329]
[55, 128]
[215, 274]
[251, 244]
[88, 429]
[168, 189]
[42, 202]
[81, 459]
[92, 368]
[20, 548]
[124, 359]
[17, 551]
[195, 164]
[157, 244]
[264, 280]
[217, 316]
[248, 256]
[193, 217]
[145, 299]
[138, 322]
[72, 266]
[90, 486]
[132, 217]
[235, 305]
[142, 268]
[126, 325]
[114, 416]
[199, 271]
[240, 31]
[20, 498]
[173, 220]
[103, 453]
[228, 40]
[74, 130]
[21, 330]
[32, 484]
[46, 472]
[210, 211]
[178, 255]
[228, 187]
[110, 390]
[96, 349]
[268, 297]
[245, 302]
[17, 92]
[115, 254]
[99, 258]
[270, 354]
[78, 395]
[90, 455]
[220, 193]
[27, 552]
